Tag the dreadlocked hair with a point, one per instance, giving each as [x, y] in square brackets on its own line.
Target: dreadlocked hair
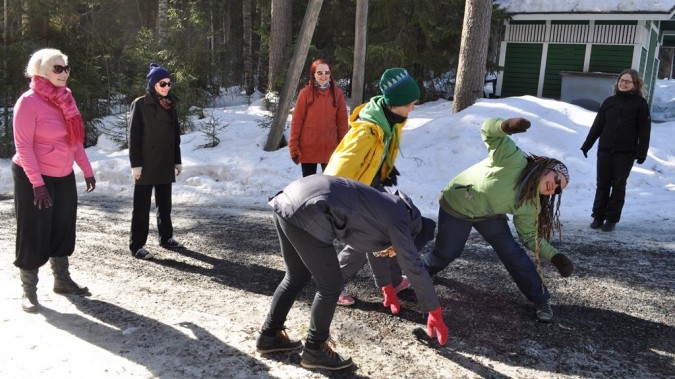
[527, 187]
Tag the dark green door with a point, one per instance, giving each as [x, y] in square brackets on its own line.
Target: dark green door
[561, 57]
[610, 58]
[521, 69]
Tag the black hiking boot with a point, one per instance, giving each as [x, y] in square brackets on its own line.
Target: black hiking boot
[324, 357]
[280, 342]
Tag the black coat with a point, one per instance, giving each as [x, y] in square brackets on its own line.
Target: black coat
[154, 140]
[623, 125]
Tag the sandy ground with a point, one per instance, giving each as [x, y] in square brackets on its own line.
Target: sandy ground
[195, 313]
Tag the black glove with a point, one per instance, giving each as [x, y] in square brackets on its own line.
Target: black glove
[91, 183]
[295, 155]
[392, 179]
[563, 264]
[515, 125]
[640, 160]
[585, 152]
[42, 198]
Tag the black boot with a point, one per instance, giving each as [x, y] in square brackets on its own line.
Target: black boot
[597, 223]
[609, 226]
[29, 281]
[279, 342]
[63, 283]
[324, 357]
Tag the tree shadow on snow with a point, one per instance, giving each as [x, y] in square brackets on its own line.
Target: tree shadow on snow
[258, 279]
[167, 351]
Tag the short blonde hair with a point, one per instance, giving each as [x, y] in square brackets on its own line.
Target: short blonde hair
[41, 61]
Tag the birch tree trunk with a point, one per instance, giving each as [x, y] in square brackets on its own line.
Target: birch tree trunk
[248, 47]
[360, 39]
[162, 21]
[25, 18]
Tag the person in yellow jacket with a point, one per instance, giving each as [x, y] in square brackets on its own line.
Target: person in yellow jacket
[367, 154]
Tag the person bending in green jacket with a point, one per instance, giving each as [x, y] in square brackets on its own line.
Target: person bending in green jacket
[508, 181]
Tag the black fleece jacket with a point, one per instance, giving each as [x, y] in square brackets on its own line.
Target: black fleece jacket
[623, 125]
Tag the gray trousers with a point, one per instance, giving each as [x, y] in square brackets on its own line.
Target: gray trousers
[385, 270]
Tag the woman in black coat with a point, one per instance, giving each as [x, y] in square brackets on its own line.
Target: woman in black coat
[154, 152]
[623, 125]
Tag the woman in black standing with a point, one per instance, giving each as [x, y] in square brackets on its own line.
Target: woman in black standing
[154, 152]
[623, 125]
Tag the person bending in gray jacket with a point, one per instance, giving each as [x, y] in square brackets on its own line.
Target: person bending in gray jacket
[309, 214]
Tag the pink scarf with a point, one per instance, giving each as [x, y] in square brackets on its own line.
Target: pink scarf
[62, 98]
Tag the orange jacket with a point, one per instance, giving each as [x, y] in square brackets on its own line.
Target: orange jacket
[317, 125]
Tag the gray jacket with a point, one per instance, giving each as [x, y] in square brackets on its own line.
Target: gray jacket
[329, 208]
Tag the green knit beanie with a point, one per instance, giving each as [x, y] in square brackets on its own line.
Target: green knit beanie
[398, 87]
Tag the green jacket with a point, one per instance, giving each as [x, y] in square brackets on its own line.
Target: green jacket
[487, 189]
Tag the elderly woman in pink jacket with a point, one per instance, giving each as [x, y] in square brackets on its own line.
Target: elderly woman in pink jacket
[49, 137]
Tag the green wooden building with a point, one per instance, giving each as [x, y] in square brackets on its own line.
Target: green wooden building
[552, 51]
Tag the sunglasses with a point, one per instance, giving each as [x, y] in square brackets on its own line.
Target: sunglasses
[164, 84]
[323, 72]
[57, 68]
[558, 183]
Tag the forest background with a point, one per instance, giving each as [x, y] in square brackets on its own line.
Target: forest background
[212, 47]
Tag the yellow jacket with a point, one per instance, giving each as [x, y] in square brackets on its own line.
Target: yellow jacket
[361, 152]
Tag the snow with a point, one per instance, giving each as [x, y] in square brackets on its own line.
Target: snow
[436, 145]
[585, 6]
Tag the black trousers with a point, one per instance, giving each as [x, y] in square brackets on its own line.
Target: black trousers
[610, 193]
[140, 216]
[47, 232]
[310, 168]
[305, 257]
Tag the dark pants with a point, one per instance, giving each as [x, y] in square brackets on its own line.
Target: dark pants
[310, 168]
[453, 234]
[385, 270]
[47, 232]
[305, 257]
[140, 216]
[610, 193]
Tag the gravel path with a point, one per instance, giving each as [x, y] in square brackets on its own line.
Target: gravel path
[195, 313]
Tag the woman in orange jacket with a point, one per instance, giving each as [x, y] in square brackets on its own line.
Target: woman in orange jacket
[319, 120]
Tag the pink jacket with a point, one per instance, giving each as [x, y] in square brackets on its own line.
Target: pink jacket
[40, 141]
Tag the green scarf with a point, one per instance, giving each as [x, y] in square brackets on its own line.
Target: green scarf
[373, 112]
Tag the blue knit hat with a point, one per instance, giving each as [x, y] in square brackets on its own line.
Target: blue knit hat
[398, 87]
[156, 74]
